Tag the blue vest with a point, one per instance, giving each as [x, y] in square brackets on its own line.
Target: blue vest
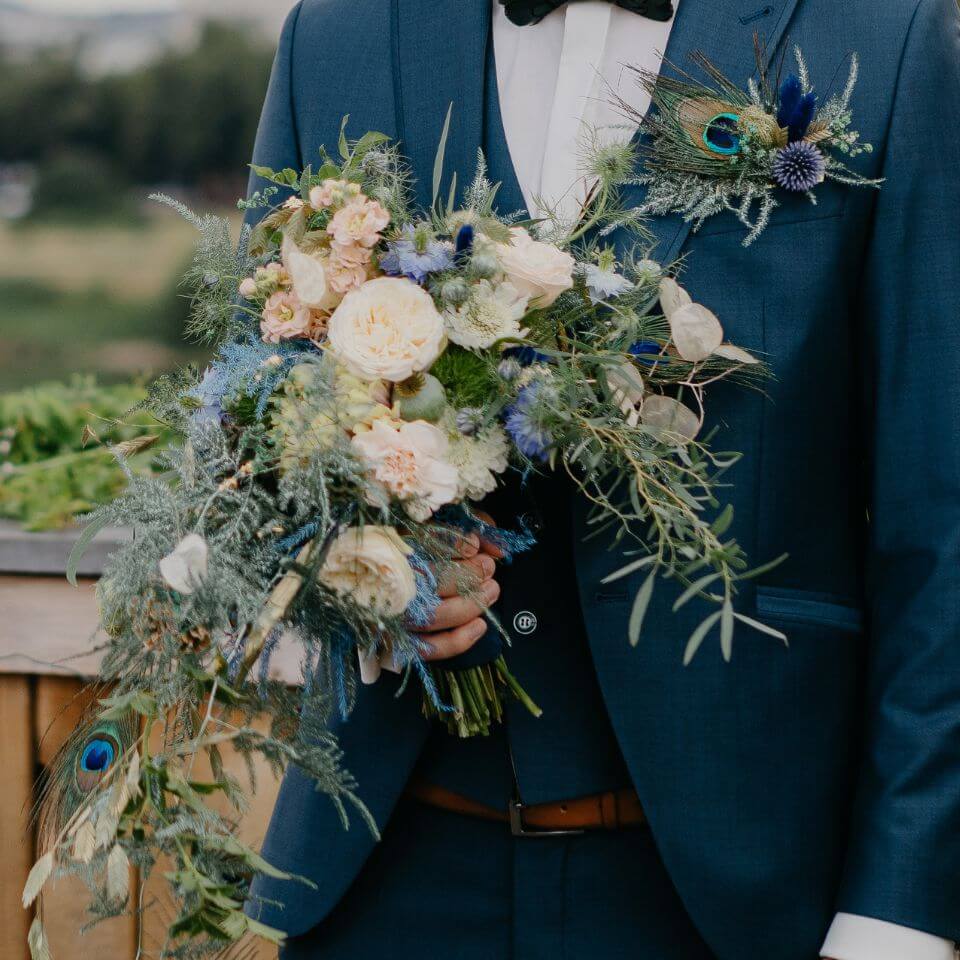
[570, 751]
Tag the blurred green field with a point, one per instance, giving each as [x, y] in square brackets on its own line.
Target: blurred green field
[101, 299]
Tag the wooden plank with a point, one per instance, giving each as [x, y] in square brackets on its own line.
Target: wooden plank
[49, 627]
[16, 847]
[60, 702]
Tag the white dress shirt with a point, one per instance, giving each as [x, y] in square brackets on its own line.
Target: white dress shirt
[555, 79]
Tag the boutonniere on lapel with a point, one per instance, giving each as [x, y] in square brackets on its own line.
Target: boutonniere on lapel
[712, 146]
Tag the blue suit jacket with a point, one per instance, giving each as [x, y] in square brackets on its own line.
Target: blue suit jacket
[794, 782]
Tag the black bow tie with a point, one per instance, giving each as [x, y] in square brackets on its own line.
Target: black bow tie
[522, 12]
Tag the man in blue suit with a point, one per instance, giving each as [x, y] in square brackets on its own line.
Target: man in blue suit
[749, 809]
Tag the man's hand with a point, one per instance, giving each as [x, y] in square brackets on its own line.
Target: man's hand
[458, 621]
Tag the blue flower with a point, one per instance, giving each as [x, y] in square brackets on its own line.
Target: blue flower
[464, 242]
[415, 257]
[526, 356]
[521, 423]
[799, 167]
[646, 351]
[796, 108]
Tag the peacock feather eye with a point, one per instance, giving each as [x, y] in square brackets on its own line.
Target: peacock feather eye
[712, 125]
[721, 134]
[95, 758]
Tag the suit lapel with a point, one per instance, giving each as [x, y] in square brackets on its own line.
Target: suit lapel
[439, 60]
[724, 31]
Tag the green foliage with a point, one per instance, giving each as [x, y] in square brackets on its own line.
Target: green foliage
[48, 474]
[470, 379]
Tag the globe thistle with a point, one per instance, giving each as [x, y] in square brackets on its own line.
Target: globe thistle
[799, 167]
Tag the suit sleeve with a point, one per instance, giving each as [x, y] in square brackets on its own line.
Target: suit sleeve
[904, 858]
[277, 144]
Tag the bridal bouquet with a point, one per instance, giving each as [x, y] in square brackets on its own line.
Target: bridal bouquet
[378, 371]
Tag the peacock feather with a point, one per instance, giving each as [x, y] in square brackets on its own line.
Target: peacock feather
[81, 766]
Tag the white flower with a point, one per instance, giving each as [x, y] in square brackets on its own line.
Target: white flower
[539, 270]
[185, 568]
[695, 330]
[479, 460]
[386, 329]
[604, 284]
[309, 276]
[410, 460]
[370, 565]
[492, 312]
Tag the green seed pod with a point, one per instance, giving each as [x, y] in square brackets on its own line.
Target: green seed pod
[428, 403]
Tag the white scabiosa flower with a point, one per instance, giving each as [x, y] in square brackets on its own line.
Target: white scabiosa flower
[479, 459]
[492, 312]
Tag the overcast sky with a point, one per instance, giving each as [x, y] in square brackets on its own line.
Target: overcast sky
[98, 6]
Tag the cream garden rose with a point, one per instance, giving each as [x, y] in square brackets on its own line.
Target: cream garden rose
[411, 462]
[370, 565]
[386, 329]
[539, 270]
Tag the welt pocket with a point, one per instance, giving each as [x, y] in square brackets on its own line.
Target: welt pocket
[831, 205]
[809, 607]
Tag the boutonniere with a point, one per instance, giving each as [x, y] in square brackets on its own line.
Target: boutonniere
[712, 146]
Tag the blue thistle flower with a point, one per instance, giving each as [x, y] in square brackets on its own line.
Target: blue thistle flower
[521, 423]
[415, 257]
[799, 167]
[796, 108]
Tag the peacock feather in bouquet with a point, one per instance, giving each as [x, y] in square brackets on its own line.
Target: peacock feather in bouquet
[378, 371]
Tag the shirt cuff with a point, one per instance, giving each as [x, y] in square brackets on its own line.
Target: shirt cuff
[863, 938]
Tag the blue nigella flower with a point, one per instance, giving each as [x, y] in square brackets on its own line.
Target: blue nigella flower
[796, 108]
[799, 167]
[206, 392]
[521, 423]
[415, 259]
[647, 352]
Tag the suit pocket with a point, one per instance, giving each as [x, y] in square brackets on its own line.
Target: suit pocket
[805, 606]
[791, 208]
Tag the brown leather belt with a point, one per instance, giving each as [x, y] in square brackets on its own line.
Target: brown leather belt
[600, 811]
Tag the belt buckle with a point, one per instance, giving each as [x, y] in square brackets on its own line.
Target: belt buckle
[519, 829]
